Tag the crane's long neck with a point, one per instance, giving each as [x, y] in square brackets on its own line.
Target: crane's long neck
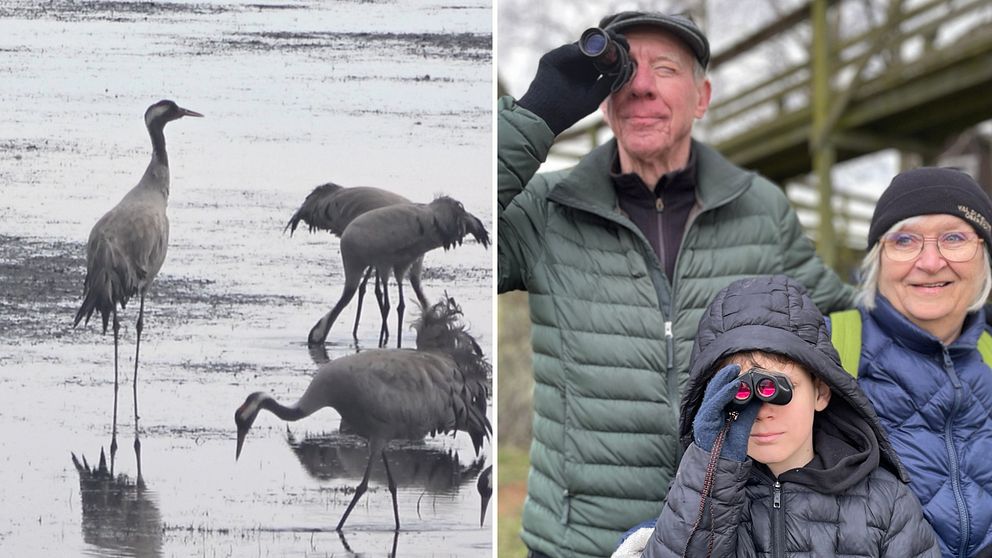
[157, 131]
[292, 413]
[156, 175]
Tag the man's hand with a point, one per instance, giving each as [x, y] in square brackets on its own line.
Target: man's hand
[712, 415]
[567, 87]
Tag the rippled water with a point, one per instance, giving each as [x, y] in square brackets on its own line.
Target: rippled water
[389, 94]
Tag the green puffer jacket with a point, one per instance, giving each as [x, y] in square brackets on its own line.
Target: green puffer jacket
[611, 338]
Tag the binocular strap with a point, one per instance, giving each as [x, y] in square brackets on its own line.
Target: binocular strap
[708, 486]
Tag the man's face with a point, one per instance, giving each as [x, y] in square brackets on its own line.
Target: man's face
[652, 115]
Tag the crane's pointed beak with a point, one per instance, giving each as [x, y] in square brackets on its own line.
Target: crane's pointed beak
[187, 112]
[241, 442]
[485, 503]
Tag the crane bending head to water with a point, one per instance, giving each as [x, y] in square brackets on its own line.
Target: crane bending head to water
[391, 239]
[332, 208]
[126, 249]
[390, 394]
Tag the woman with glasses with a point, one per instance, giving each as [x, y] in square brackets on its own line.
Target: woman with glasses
[925, 280]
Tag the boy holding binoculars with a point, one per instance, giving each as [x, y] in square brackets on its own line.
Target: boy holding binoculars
[783, 453]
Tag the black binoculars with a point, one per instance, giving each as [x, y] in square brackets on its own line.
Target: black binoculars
[772, 388]
[610, 58]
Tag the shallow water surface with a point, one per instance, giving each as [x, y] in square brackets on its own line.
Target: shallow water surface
[395, 94]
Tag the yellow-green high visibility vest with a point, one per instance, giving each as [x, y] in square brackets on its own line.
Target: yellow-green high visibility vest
[845, 334]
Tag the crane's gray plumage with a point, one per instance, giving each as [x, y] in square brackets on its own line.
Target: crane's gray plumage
[485, 487]
[127, 246]
[387, 394]
[391, 239]
[332, 208]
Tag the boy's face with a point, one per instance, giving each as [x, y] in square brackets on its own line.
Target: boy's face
[782, 435]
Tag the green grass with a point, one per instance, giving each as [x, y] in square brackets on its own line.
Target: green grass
[512, 482]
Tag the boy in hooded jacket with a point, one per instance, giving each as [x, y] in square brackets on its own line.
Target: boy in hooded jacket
[769, 473]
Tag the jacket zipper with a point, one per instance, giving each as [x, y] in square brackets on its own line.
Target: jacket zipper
[671, 377]
[778, 522]
[952, 455]
[659, 207]
[662, 286]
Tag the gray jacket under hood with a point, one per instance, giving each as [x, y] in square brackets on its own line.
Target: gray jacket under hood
[851, 500]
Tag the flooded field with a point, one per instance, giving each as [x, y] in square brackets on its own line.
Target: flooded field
[394, 94]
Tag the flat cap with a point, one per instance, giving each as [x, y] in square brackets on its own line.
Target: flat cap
[678, 25]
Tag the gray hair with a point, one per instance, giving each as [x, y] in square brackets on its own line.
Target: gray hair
[872, 263]
[698, 71]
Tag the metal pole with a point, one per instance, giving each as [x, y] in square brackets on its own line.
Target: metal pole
[822, 149]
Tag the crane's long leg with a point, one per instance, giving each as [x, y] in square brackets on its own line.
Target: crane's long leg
[361, 297]
[392, 489]
[396, 539]
[399, 310]
[384, 310]
[113, 436]
[414, 276]
[318, 334]
[378, 301]
[375, 447]
[137, 348]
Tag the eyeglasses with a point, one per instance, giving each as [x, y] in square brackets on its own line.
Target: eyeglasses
[954, 246]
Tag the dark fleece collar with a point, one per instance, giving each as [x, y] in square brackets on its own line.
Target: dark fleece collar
[845, 452]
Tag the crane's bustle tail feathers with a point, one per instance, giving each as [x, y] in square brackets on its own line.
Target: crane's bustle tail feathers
[110, 279]
[439, 329]
[314, 211]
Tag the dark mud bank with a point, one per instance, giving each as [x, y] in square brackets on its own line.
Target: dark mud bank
[43, 278]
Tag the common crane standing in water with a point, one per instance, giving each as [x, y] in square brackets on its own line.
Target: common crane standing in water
[391, 239]
[126, 249]
[331, 207]
[390, 394]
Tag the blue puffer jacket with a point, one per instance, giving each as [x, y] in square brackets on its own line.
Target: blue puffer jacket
[935, 402]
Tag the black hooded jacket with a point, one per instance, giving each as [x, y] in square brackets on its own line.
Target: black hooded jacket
[850, 500]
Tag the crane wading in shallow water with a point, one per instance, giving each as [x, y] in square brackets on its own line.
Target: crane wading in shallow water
[330, 207]
[126, 249]
[390, 394]
[391, 239]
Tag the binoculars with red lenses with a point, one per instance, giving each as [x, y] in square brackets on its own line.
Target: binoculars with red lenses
[772, 388]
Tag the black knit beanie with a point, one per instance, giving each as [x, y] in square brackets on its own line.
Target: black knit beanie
[931, 191]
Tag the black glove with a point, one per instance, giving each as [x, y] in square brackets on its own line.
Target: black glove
[567, 87]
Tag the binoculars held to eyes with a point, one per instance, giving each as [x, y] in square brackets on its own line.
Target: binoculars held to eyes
[766, 386]
[609, 57]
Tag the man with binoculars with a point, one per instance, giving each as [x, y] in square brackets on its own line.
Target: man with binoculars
[620, 255]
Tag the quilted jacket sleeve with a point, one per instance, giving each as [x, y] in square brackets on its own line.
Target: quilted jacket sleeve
[909, 534]
[804, 265]
[682, 507]
[523, 142]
